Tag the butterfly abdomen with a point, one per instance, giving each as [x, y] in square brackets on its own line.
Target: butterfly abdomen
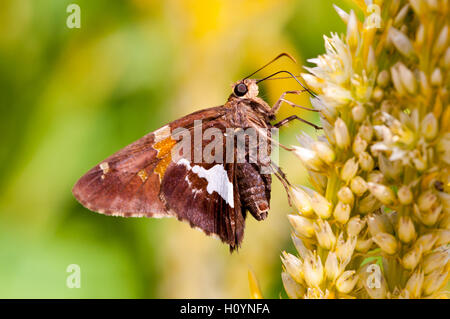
[253, 190]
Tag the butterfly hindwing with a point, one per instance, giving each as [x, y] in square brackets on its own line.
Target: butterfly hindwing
[205, 196]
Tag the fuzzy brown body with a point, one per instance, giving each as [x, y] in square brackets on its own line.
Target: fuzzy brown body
[143, 180]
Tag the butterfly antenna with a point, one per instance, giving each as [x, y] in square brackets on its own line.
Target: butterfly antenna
[292, 76]
[270, 62]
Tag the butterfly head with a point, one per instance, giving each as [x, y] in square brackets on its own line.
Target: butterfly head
[246, 89]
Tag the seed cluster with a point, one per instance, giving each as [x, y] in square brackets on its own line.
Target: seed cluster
[377, 223]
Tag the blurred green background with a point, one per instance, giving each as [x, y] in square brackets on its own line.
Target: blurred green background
[71, 97]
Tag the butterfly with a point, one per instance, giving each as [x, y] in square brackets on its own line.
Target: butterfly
[157, 177]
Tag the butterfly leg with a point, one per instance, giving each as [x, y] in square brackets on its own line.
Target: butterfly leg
[282, 178]
[295, 117]
[277, 105]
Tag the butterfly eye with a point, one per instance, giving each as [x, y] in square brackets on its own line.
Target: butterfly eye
[240, 89]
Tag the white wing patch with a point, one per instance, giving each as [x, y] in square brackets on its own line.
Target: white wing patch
[217, 179]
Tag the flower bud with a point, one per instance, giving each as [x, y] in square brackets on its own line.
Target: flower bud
[369, 204]
[345, 195]
[424, 83]
[341, 133]
[435, 260]
[332, 268]
[398, 85]
[302, 201]
[324, 234]
[383, 78]
[342, 212]
[390, 169]
[446, 59]
[293, 289]
[426, 200]
[363, 245]
[366, 161]
[358, 185]
[426, 242]
[344, 15]
[313, 270]
[352, 32]
[412, 258]
[377, 223]
[430, 217]
[375, 177]
[366, 132]
[293, 266]
[358, 113]
[442, 237]
[429, 126]
[378, 94]
[321, 206]
[420, 162]
[300, 246]
[415, 284]
[347, 281]
[344, 249]
[359, 145]
[401, 42]
[313, 82]
[407, 78]
[355, 225]
[382, 193]
[436, 77]
[309, 158]
[441, 42]
[445, 222]
[405, 229]
[386, 242]
[349, 170]
[434, 281]
[324, 151]
[303, 226]
[402, 13]
[405, 195]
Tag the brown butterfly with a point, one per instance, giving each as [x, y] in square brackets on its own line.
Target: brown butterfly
[145, 180]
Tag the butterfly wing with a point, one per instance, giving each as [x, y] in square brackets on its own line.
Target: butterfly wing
[206, 196]
[143, 180]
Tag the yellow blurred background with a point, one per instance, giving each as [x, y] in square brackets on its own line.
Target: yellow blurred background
[71, 97]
